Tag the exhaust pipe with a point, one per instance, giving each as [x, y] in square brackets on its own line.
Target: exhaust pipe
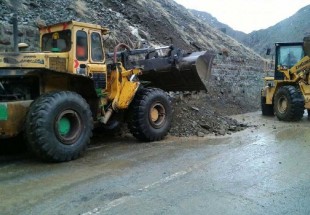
[15, 33]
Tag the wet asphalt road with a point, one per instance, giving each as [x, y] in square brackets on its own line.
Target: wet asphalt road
[262, 170]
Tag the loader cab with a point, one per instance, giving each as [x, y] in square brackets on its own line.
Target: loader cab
[78, 46]
[287, 55]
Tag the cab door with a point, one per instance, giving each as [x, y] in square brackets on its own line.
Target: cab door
[97, 67]
[96, 48]
[81, 51]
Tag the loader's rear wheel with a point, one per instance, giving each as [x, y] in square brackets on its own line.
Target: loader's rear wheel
[267, 110]
[150, 114]
[289, 104]
[59, 126]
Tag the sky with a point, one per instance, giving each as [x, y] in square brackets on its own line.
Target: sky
[247, 15]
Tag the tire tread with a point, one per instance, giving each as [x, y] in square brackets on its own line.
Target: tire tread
[36, 135]
[296, 110]
[137, 125]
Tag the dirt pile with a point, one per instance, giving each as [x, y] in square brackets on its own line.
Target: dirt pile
[196, 114]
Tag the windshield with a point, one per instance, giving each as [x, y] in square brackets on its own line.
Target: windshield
[59, 41]
[290, 55]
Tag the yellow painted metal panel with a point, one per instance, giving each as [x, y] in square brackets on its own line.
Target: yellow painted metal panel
[129, 90]
[269, 95]
[16, 114]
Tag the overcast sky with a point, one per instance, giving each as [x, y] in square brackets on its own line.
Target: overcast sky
[247, 15]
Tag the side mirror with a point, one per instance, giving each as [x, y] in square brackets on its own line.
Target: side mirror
[268, 51]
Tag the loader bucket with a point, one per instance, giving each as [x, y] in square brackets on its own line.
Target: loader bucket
[187, 73]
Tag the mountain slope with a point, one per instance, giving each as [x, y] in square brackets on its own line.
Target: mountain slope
[293, 28]
[211, 20]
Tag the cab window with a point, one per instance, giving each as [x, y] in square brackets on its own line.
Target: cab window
[81, 46]
[59, 41]
[96, 47]
[290, 55]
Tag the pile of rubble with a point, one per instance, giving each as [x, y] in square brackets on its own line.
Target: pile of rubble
[194, 115]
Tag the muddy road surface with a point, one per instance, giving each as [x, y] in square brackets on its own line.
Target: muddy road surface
[261, 170]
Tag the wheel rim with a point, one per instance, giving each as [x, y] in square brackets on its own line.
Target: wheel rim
[282, 104]
[157, 115]
[68, 127]
[64, 126]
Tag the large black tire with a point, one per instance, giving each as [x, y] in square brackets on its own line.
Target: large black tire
[289, 104]
[150, 114]
[267, 110]
[59, 126]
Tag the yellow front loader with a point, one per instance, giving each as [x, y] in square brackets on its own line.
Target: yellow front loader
[57, 96]
[287, 93]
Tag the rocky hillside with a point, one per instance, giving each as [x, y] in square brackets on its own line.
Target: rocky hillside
[226, 29]
[293, 28]
[131, 21]
[237, 70]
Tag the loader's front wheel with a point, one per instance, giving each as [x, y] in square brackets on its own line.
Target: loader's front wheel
[150, 115]
[59, 126]
[289, 104]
